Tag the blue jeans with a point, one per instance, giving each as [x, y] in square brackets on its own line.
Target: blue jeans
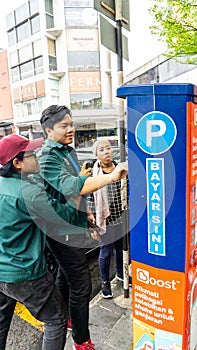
[45, 303]
[110, 242]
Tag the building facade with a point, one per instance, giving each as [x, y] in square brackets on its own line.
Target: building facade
[163, 70]
[55, 57]
[6, 111]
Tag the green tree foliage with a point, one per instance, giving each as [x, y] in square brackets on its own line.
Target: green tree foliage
[175, 22]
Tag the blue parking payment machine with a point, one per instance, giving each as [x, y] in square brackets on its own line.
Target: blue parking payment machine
[157, 165]
[162, 155]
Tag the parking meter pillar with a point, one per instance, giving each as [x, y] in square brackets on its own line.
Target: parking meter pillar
[162, 156]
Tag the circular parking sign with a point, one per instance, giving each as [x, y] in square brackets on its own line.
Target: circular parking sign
[155, 132]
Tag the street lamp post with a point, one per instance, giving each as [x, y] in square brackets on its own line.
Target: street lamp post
[118, 18]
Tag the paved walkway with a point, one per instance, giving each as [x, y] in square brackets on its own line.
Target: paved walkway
[110, 321]
[110, 325]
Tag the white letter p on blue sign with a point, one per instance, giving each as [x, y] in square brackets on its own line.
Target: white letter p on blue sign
[150, 133]
[155, 133]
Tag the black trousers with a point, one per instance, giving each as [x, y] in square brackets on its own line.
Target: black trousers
[44, 301]
[74, 282]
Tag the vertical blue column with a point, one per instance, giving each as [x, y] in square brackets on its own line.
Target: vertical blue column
[157, 138]
[162, 154]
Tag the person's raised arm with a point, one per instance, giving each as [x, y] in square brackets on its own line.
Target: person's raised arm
[94, 183]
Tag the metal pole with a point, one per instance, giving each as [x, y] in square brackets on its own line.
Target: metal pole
[118, 17]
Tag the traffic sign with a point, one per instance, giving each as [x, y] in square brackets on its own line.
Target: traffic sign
[108, 38]
[107, 8]
[155, 132]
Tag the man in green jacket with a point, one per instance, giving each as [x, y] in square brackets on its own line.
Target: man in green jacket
[64, 178]
[23, 269]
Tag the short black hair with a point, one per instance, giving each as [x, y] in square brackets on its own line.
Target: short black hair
[53, 115]
[8, 169]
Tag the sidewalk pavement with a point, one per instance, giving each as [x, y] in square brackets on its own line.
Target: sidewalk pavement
[110, 321]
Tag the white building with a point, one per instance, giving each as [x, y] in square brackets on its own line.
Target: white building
[55, 57]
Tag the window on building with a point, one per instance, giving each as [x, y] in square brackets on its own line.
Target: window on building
[107, 132]
[34, 7]
[85, 101]
[80, 16]
[23, 31]
[11, 37]
[52, 55]
[18, 110]
[14, 58]
[30, 107]
[112, 134]
[27, 66]
[38, 65]
[22, 13]
[15, 74]
[52, 63]
[54, 85]
[49, 6]
[83, 60]
[49, 13]
[49, 21]
[78, 3]
[26, 70]
[25, 53]
[27, 22]
[51, 47]
[35, 24]
[37, 48]
[10, 20]
[41, 101]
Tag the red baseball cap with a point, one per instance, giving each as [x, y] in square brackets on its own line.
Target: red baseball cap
[13, 144]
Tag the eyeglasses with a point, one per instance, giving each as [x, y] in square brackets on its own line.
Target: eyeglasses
[33, 154]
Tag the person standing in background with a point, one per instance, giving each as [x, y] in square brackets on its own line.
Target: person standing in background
[107, 205]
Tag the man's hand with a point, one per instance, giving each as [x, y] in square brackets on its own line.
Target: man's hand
[91, 216]
[84, 171]
[120, 171]
[94, 235]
